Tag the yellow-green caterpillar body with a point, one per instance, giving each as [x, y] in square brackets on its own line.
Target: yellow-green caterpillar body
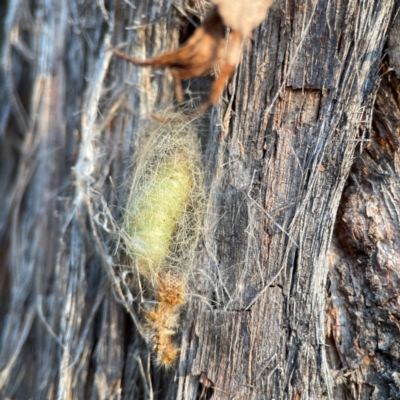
[162, 225]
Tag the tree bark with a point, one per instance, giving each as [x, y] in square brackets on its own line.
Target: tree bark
[67, 131]
[363, 317]
[275, 204]
[264, 320]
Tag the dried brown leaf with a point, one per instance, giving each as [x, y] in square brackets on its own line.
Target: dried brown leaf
[207, 50]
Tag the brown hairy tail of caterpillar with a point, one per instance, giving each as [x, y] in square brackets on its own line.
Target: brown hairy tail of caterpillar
[163, 319]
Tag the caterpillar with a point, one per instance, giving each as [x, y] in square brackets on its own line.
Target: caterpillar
[162, 226]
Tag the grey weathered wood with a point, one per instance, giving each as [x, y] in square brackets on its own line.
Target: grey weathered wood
[68, 119]
[393, 45]
[278, 154]
[299, 97]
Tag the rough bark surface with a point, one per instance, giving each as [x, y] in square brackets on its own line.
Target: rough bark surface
[393, 45]
[278, 154]
[301, 92]
[69, 115]
[363, 307]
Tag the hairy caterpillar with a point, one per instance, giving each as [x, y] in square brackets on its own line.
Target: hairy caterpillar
[162, 225]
